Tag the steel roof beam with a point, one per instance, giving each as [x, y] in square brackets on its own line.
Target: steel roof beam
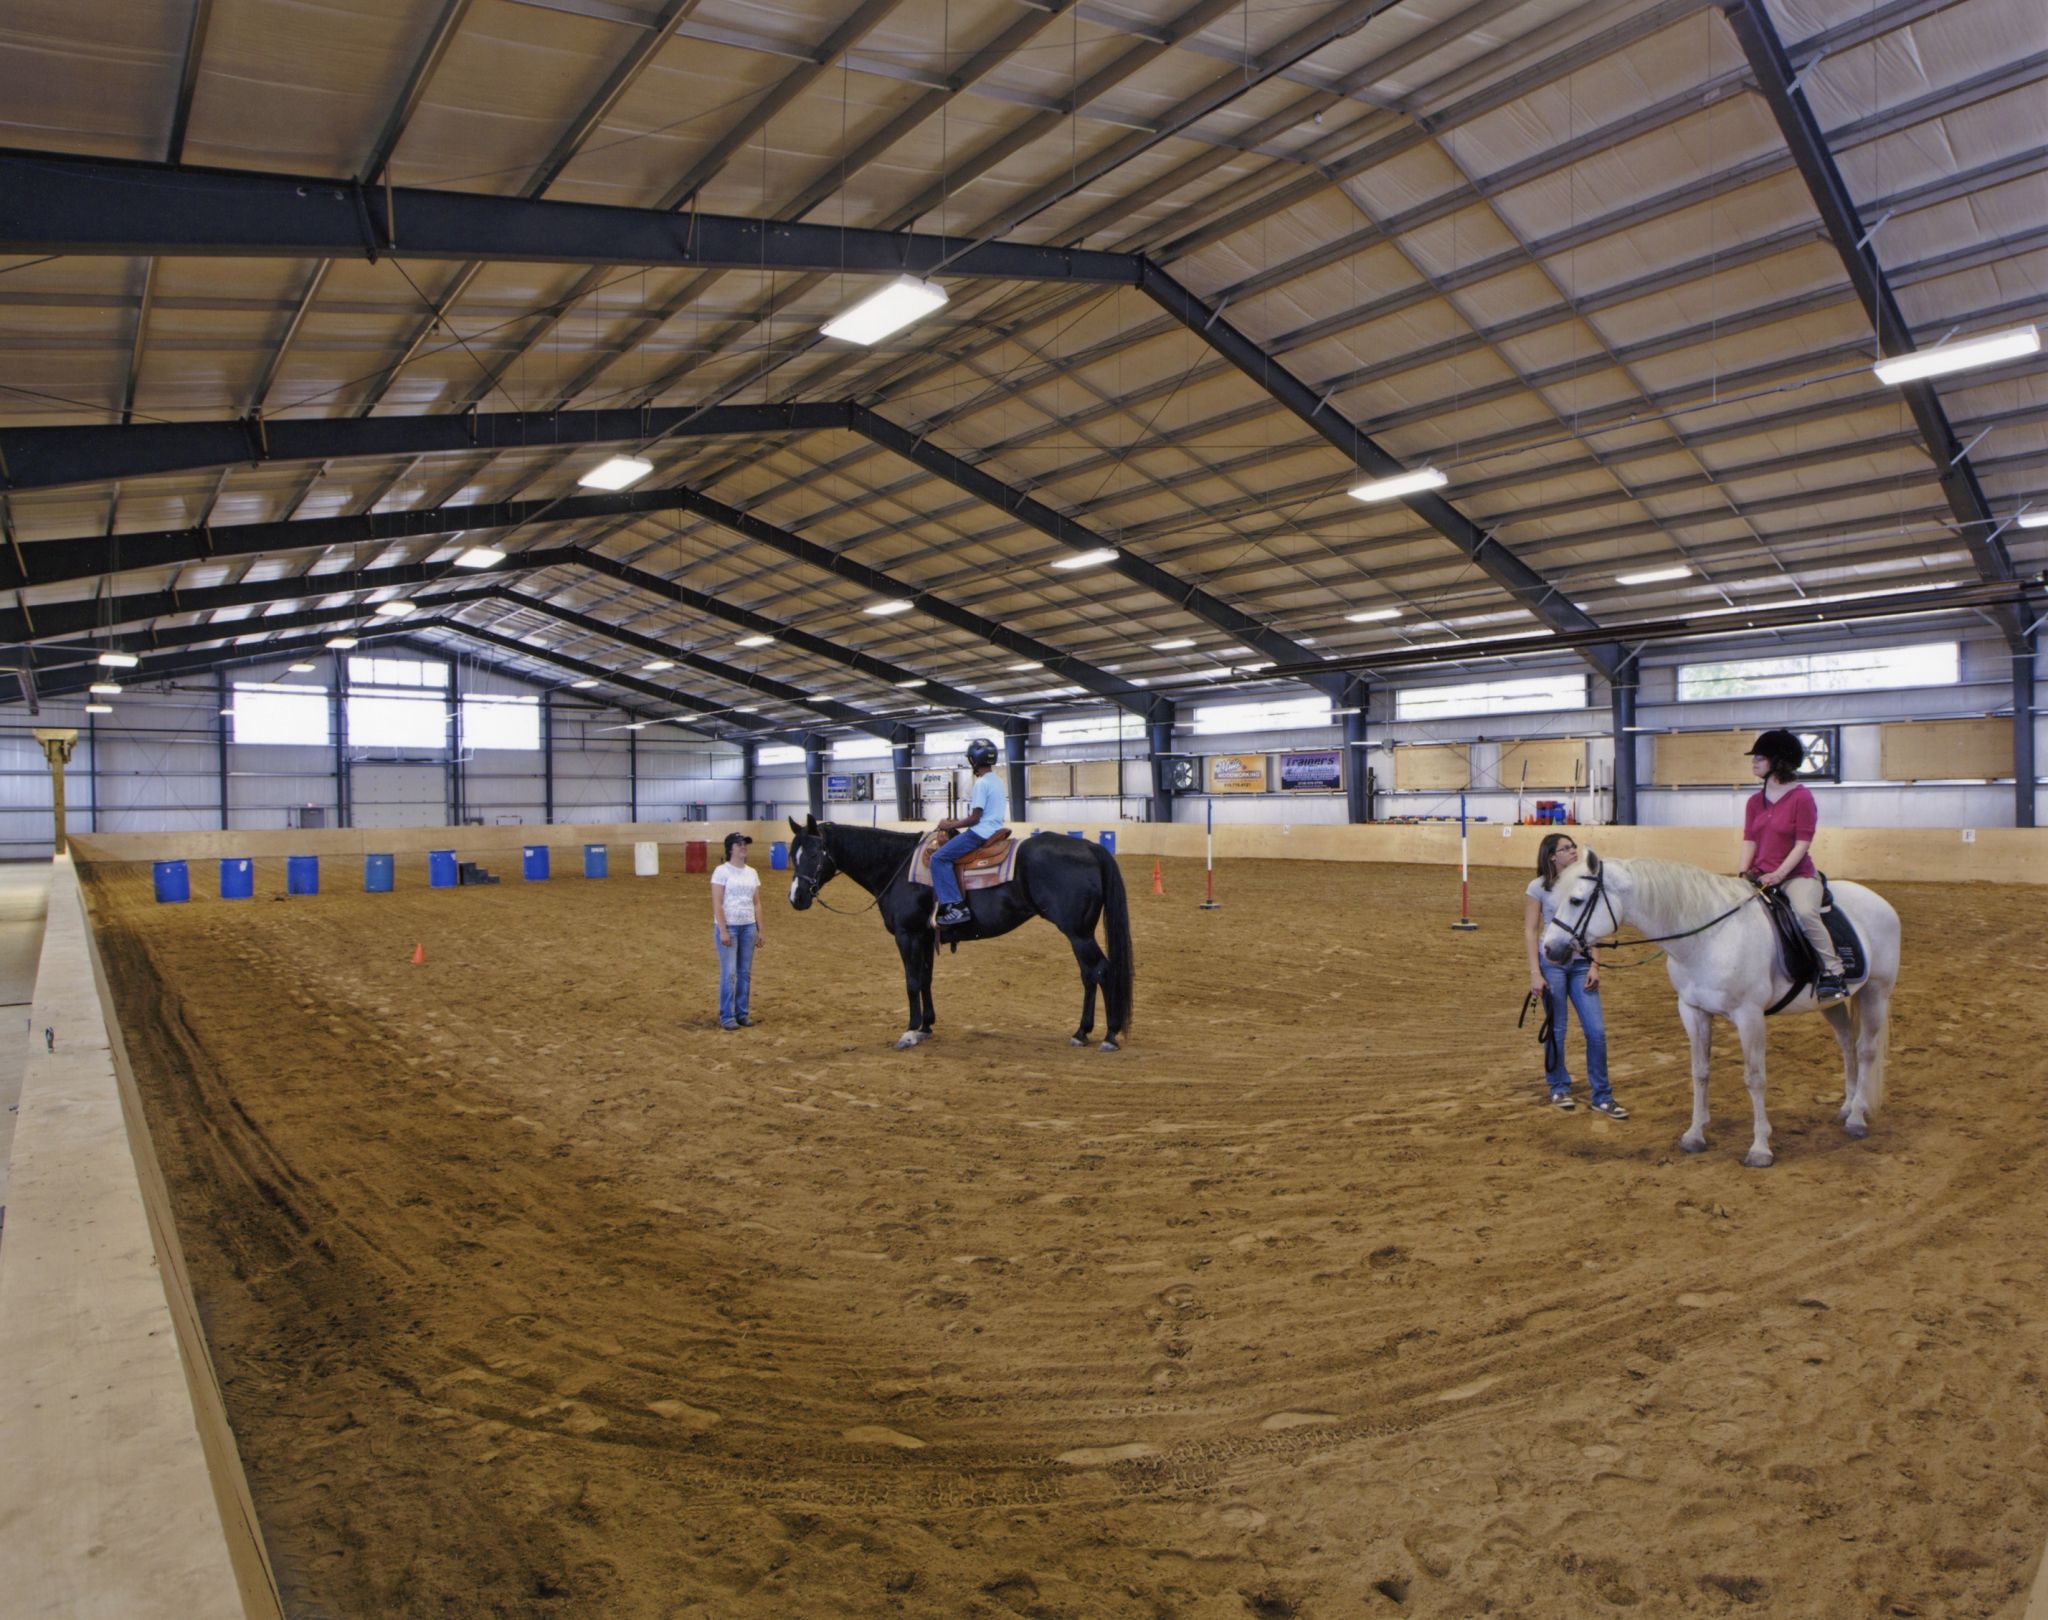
[166, 661]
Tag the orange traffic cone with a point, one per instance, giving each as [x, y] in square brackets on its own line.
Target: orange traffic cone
[1157, 886]
[419, 955]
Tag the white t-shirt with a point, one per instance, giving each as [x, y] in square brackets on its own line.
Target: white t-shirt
[740, 884]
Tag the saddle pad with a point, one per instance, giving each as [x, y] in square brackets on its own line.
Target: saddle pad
[1795, 955]
[983, 870]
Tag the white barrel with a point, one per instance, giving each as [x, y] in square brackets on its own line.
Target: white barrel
[647, 860]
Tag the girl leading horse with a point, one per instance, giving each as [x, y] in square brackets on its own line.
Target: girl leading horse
[1069, 882]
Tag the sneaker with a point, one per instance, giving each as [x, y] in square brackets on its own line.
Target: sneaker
[1829, 987]
[1563, 1100]
[744, 1021]
[955, 916]
[723, 1025]
[1611, 1108]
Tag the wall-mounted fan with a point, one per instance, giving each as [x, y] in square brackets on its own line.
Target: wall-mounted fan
[1182, 776]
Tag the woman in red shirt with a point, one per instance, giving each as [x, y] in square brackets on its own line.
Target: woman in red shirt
[1777, 831]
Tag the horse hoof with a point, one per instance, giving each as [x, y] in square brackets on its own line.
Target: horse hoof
[1109, 1046]
[908, 1039]
[1757, 1161]
[1077, 1040]
[1691, 1146]
[1855, 1128]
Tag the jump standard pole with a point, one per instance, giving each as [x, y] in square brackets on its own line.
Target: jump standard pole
[1464, 873]
[1209, 841]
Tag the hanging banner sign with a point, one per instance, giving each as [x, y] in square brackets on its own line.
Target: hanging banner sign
[1237, 773]
[934, 787]
[1312, 773]
[838, 790]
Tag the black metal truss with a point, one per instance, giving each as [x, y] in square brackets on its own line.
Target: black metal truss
[168, 662]
[1809, 147]
[56, 203]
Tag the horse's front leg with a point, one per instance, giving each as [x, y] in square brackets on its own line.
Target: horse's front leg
[1749, 1027]
[1699, 1030]
[917, 987]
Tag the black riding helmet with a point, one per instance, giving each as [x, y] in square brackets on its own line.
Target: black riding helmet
[1785, 751]
[981, 752]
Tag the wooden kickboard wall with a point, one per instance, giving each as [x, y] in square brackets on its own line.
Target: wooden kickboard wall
[1551, 763]
[1049, 781]
[1945, 750]
[1701, 759]
[1433, 768]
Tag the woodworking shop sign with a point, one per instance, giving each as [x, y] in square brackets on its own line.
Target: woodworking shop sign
[1311, 773]
[1237, 773]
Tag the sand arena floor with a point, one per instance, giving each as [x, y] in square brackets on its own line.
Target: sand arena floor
[534, 1293]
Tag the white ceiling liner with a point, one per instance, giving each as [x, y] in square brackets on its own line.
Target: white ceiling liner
[1608, 308]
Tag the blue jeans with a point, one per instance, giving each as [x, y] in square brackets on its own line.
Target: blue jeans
[735, 972]
[945, 881]
[1567, 987]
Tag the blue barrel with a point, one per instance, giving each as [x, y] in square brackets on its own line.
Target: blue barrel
[237, 878]
[302, 874]
[1075, 832]
[597, 861]
[778, 855]
[535, 859]
[440, 868]
[173, 883]
[1107, 839]
[376, 874]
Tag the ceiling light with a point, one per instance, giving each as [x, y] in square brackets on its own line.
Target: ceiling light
[1372, 615]
[104, 689]
[1408, 483]
[658, 665]
[1173, 646]
[754, 641]
[1946, 357]
[910, 685]
[227, 711]
[1141, 680]
[115, 660]
[616, 473]
[581, 686]
[904, 300]
[341, 643]
[480, 557]
[1654, 576]
[1027, 667]
[741, 709]
[394, 610]
[301, 669]
[99, 708]
[2037, 518]
[1087, 559]
[883, 609]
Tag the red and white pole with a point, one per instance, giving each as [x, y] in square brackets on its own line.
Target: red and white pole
[1464, 872]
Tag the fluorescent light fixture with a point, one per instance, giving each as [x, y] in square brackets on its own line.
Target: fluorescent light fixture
[1141, 680]
[228, 711]
[910, 685]
[1087, 559]
[341, 643]
[114, 660]
[754, 641]
[656, 666]
[301, 669]
[1655, 576]
[581, 686]
[1173, 646]
[1372, 615]
[104, 689]
[1027, 667]
[1946, 357]
[740, 708]
[882, 610]
[480, 557]
[1408, 483]
[99, 708]
[616, 473]
[904, 300]
[2034, 518]
[394, 610]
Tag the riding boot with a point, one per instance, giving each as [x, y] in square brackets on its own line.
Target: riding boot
[955, 916]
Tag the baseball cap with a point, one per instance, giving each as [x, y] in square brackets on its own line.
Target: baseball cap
[735, 838]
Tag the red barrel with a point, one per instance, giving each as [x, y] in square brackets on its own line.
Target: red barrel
[693, 855]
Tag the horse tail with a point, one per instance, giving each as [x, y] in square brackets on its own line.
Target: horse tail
[1116, 915]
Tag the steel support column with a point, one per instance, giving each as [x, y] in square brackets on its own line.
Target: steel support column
[547, 757]
[1159, 741]
[749, 763]
[1622, 699]
[2024, 768]
[1016, 737]
[633, 775]
[900, 746]
[1357, 805]
[817, 760]
[220, 741]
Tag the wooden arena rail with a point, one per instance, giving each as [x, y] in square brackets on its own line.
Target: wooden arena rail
[1874, 854]
[123, 1494]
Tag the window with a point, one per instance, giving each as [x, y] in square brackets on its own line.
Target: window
[1093, 728]
[779, 754]
[367, 671]
[501, 722]
[408, 720]
[1862, 669]
[1492, 697]
[861, 748]
[946, 742]
[280, 714]
[1275, 714]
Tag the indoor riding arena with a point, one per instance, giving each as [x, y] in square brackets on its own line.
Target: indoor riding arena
[1471, 574]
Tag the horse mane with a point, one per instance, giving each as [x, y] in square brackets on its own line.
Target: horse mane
[1678, 888]
[866, 843]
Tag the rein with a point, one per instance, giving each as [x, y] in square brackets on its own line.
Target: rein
[1578, 935]
[874, 900]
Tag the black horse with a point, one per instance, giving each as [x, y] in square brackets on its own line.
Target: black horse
[1069, 882]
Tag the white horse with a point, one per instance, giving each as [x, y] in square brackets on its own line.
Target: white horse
[1723, 958]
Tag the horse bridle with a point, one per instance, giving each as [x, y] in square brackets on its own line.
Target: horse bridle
[1578, 935]
[829, 869]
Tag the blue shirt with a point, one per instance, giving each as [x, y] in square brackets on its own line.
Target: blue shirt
[993, 801]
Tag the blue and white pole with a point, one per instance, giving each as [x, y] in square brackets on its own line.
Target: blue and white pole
[1209, 840]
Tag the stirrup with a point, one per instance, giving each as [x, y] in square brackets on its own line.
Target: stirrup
[1829, 988]
[955, 916]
